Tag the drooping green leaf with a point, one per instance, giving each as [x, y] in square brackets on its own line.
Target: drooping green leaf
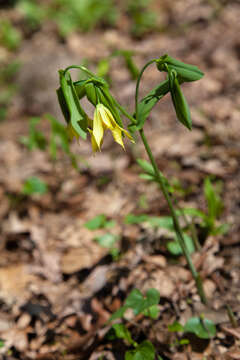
[144, 351]
[33, 185]
[185, 72]
[80, 88]
[202, 328]
[149, 101]
[69, 103]
[179, 101]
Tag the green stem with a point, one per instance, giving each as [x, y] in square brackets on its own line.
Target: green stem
[138, 83]
[231, 317]
[80, 67]
[177, 227]
[124, 112]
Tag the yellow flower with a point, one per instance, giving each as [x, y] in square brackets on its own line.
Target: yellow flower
[102, 120]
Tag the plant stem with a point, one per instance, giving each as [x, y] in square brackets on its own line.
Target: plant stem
[177, 227]
[138, 83]
[80, 67]
[231, 317]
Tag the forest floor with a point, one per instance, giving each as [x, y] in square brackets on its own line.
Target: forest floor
[58, 286]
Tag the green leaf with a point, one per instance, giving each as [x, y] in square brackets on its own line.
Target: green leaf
[221, 229]
[194, 212]
[164, 222]
[149, 101]
[77, 116]
[175, 327]
[214, 202]
[185, 72]
[184, 342]
[119, 313]
[144, 351]
[146, 166]
[135, 219]
[106, 240]
[80, 88]
[179, 101]
[34, 185]
[175, 249]
[202, 328]
[1, 343]
[123, 333]
[139, 303]
[147, 177]
[152, 312]
[98, 222]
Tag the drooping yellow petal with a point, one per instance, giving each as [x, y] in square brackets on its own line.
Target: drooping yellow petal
[93, 142]
[98, 128]
[106, 116]
[117, 135]
[128, 135]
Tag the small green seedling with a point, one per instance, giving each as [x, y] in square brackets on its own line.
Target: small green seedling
[140, 304]
[202, 328]
[33, 185]
[99, 222]
[214, 210]
[107, 240]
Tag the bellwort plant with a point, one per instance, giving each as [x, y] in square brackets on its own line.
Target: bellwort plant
[108, 112]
